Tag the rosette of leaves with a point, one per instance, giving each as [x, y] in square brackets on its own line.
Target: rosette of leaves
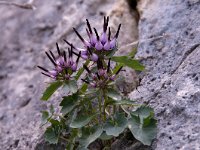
[93, 109]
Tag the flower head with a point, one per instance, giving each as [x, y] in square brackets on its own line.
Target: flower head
[98, 45]
[63, 66]
[102, 77]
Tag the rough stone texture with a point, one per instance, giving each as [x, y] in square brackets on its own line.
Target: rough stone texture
[25, 35]
[171, 83]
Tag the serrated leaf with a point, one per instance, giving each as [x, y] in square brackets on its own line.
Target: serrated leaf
[51, 89]
[129, 62]
[113, 94]
[51, 136]
[70, 86]
[68, 103]
[89, 135]
[81, 120]
[116, 126]
[143, 127]
[45, 116]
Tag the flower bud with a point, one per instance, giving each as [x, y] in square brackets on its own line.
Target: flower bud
[107, 46]
[94, 57]
[74, 67]
[98, 46]
[103, 38]
[84, 56]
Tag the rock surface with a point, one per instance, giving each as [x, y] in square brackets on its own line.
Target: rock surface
[169, 35]
[25, 35]
[171, 83]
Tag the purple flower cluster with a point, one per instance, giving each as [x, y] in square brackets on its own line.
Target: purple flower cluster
[63, 66]
[98, 45]
[102, 77]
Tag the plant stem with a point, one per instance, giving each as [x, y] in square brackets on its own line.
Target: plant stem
[104, 105]
[100, 110]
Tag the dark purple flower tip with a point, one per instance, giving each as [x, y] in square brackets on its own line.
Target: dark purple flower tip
[86, 43]
[98, 46]
[45, 70]
[85, 81]
[94, 57]
[87, 69]
[108, 67]
[58, 49]
[89, 27]
[74, 67]
[96, 34]
[51, 59]
[113, 43]
[105, 24]
[107, 46]
[48, 75]
[52, 55]
[119, 70]
[103, 38]
[117, 34]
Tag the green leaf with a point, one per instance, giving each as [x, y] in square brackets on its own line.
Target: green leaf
[81, 120]
[51, 89]
[116, 126]
[70, 86]
[68, 103]
[84, 88]
[89, 135]
[143, 111]
[143, 126]
[113, 94]
[117, 66]
[51, 136]
[129, 62]
[133, 52]
[104, 136]
[110, 101]
[45, 116]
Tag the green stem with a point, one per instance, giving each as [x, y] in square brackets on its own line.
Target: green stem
[100, 109]
[104, 105]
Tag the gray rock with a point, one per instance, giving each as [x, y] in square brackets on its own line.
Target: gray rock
[25, 35]
[171, 83]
